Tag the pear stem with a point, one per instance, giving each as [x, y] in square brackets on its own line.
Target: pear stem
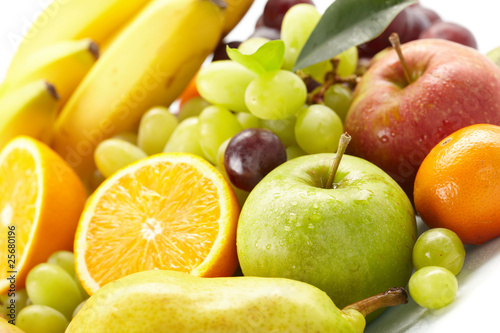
[396, 44]
[343, 142]
[391, 297]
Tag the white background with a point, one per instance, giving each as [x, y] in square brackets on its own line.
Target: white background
[476, 307]
[480, 16]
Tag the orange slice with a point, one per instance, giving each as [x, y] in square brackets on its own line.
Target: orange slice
[168, 211]
[40, 204]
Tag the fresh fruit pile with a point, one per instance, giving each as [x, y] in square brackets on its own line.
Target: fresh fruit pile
[159, 177]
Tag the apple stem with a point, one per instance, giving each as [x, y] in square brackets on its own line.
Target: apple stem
[396, 44]
[343, 142]
[391, 297]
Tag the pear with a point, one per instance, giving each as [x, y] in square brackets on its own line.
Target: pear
[167, 301]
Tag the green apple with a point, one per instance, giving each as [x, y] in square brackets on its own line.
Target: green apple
[351, 240]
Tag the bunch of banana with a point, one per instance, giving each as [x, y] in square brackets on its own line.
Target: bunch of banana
[152, 49]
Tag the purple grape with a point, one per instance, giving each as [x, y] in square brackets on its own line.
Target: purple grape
[450, 31]
[275, 10]
[266, 32]
[429, 13]
[408, 24]
[250, 155]
[220, 52]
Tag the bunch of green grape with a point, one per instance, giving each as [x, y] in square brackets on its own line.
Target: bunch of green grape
[234, 98]
[438, 256]
[53, 294]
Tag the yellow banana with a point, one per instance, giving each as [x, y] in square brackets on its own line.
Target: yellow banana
[64, 64]
[235, 11]
[75, 19]
[30, 110]
[148, 64]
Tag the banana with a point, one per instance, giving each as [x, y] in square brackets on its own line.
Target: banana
[148, 64]
[64, 64]
[235, 11]
[73, 20]
[30, 110]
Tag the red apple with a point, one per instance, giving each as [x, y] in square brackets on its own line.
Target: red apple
[394, 124]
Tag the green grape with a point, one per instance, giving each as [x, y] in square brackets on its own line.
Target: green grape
[114, 154]
[13, 302]
[241, 195]
[338, 98]
[439, 247]
[220, 154]
[216, 124]
[293, 152]
[318, 129]
[127, 136]
[247, 120]
[224, 83]
[79, 307]
[192, 108]
[283, 128]
[276, 95]
[433, 287]
[65, 259]
[348, 62]
[155, 129]
[49, 284]
[41, 319]
[298, 23]
[252, 44]
[185, 138]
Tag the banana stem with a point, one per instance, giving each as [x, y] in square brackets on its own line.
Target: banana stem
[391, 297]
[344, 141]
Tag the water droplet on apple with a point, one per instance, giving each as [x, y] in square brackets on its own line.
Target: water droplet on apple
[315, 206]
[393, 134]
[384, 139]
[268, 247]
[276, 195]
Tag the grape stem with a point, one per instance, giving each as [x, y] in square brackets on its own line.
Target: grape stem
[330, 79]
[396, 44]
[343, 142]
[391, 297]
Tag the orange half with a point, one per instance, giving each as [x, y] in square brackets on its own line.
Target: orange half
[168, 211]
[40, 204]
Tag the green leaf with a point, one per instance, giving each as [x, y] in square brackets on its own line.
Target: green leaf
[268, 57]
[348, 23]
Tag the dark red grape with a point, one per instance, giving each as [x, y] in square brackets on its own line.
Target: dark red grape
[266, 32]
[417, 22]
[220, 52]
[399, 25]
[251, 154]
[260, 22]
[408, 24]
[275, 10]
[450, 31]
[429, 13]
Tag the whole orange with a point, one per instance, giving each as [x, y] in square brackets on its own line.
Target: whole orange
[458, 184]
